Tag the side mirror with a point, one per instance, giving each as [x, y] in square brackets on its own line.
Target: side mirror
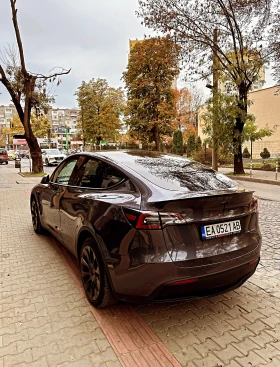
[45, 179]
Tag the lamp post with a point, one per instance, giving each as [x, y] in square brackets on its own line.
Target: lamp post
[214, 89]
[66, 143]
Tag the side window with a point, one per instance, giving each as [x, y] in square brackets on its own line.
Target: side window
[63, 174]
[99, 175]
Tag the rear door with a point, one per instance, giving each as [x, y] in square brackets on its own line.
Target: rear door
[93, 198]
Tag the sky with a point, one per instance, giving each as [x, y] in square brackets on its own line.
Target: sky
[89, 36]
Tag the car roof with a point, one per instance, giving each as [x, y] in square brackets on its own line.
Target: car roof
[168, 171]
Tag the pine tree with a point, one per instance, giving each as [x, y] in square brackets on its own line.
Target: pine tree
[177, 143]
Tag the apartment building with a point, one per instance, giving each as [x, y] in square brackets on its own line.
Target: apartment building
[6, 115]
[63, 117]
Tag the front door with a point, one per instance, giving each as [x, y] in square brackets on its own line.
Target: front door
[51, 196]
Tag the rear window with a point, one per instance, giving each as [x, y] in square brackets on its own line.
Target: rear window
[176, 173]
[3, 151]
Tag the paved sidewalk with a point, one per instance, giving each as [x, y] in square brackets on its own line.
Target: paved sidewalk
[46, 321]
[257, 176]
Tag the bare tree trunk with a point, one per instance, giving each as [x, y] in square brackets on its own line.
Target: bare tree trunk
[156, 137]
[35, 151]
[238, 159]
[239, 125]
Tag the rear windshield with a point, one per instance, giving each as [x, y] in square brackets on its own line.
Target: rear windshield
[3, 151]
[176, 173]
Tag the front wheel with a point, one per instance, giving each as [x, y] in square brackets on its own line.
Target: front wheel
[94, 277]
[36, 217]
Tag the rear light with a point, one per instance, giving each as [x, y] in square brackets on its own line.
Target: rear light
[254, 207]
[184, 281]
[152, 220]
[171, 219]
[148, 221]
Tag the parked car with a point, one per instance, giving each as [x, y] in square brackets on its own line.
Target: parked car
[21, 153]
[149, 226]
[11, 155]
[52, 156]
[3, 156]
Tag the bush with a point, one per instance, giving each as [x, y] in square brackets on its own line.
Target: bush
[265, 153]
[204, 156]
[224, 157]
[246, 153]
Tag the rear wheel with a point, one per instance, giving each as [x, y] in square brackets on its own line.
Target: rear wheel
[6, 162]
[36, 217]
[94, 277]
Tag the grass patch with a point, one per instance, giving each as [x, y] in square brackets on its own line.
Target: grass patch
[31, 174]
[232, 174]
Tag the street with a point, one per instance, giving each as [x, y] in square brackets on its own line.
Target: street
[46, 320]
[262, 191]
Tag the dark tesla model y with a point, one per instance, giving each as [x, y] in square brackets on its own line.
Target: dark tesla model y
[149, 226]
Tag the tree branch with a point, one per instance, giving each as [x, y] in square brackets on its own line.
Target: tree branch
[17, 32]
[42, 76]
[14, 96]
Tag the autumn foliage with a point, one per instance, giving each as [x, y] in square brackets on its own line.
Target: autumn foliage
[152, 67]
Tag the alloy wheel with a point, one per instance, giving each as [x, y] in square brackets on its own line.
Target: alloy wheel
[34, 214]
[90, 271]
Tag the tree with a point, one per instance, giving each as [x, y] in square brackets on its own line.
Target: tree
[101, 109]
[198, 144]
[240, 25]
[274, 41]
[27, 90]
[177, 143]
[191, 146]
[40, 126]
[152, 67]
[187, 103]
[226, 112]
[246, 153]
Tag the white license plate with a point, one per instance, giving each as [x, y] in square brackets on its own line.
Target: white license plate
[220, 229]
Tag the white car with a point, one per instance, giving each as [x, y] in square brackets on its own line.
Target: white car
[52, 156]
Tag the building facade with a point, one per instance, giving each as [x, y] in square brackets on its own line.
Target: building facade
[265, 107]
[63, 117]
[6, 115]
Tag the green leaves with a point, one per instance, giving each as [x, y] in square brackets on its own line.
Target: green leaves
[101, 109]
[227, 112]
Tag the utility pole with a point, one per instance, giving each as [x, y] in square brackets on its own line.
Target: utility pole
[215, 102]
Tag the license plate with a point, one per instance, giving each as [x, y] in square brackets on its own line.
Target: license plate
[220, 229]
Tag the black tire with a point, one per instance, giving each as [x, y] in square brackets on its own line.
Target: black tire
[6, 162]
[94, 277]
[47, 162]
[36, 217]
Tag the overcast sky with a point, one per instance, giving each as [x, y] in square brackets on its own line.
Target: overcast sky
[89, 36]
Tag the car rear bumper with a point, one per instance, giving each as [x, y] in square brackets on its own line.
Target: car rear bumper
[153, 282]
[205, 286]
[3, 160]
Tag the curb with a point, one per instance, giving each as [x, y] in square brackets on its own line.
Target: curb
[257, 180]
